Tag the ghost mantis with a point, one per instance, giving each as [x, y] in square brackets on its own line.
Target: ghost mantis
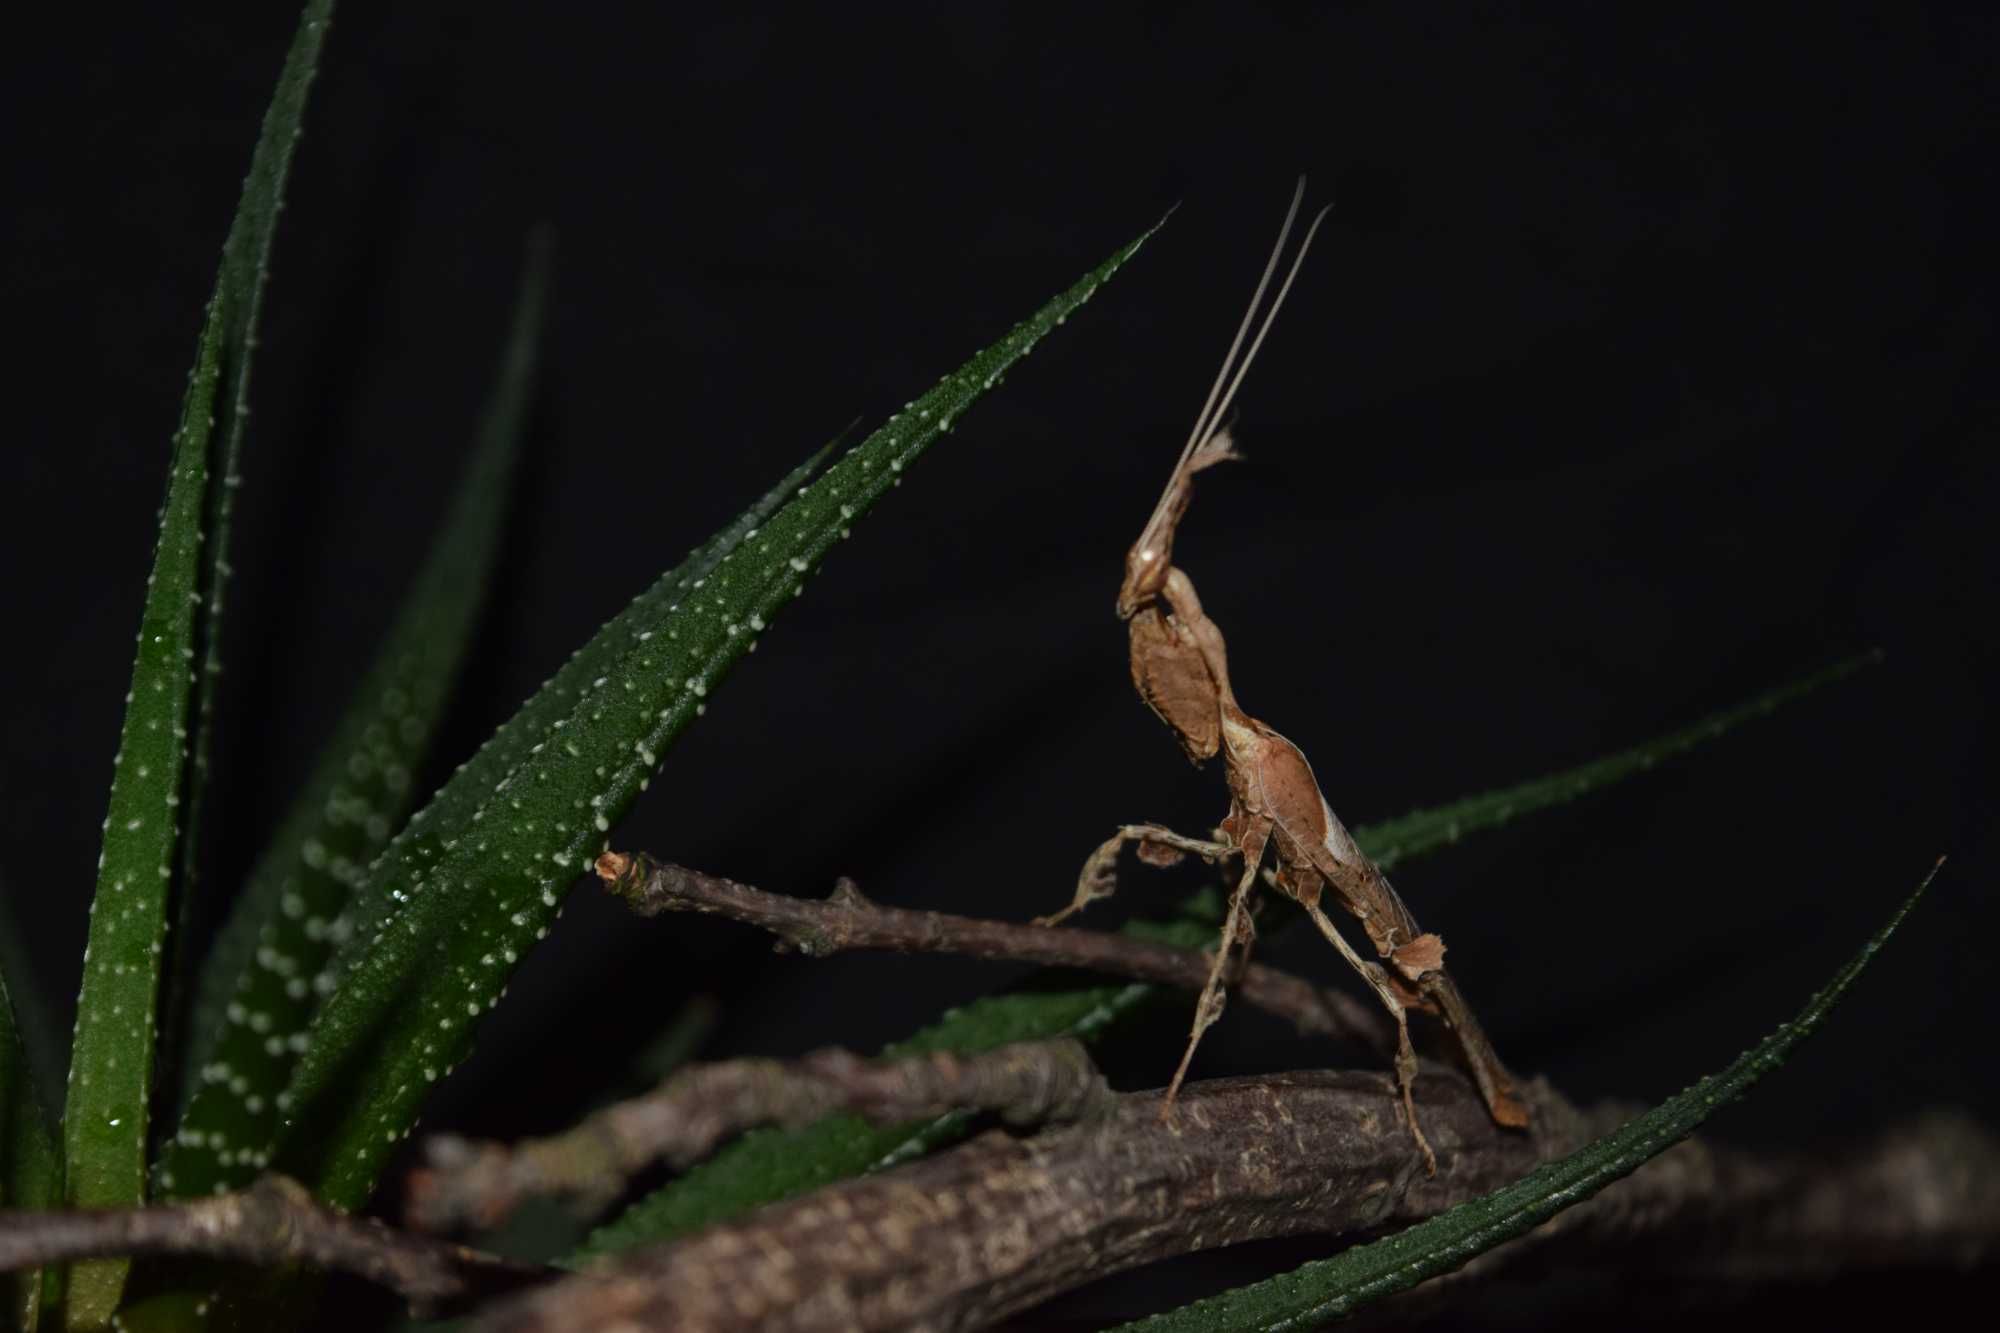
[1180, 668]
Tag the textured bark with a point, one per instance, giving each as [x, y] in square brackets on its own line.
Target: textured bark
[273, 1223]
[682, 1121]
[964, 1239]
[1000, 1224]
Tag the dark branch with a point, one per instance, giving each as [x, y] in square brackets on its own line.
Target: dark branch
[469, 1183]
[272, 1223]
[998, 1225]
[848, 921]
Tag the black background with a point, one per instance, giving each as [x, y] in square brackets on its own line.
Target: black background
[1645, 363]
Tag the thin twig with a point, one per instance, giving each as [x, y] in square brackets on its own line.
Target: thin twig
[272, 1223]
[479, 1184]
[849, 921]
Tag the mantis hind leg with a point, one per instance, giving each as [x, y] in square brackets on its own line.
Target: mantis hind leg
[1235, 930]
[1099, 876]
[1495, 1086]
[1406, 1055]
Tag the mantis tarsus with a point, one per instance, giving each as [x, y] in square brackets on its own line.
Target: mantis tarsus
[1180, 668]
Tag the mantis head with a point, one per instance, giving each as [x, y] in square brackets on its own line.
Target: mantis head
[1151, 558]
[1145, 574]
[1147, 563]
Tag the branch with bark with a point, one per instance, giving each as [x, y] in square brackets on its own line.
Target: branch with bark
[998, 1225]
[848, 921]
[1003, 1223]
[1006, 1221]
[479, 1184]
[272, 1223]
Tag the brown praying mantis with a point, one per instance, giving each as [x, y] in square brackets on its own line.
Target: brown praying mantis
[1180, 668]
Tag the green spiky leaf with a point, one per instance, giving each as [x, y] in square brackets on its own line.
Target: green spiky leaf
[307, 909]
[1423, 831]
[257, 993]
[460, 799]
[1330, 1288]
[30, 1173]
[111, 1058]
[240, 282]
[456, 901]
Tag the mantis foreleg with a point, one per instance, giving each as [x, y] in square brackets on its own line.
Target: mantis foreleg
[1099, 876]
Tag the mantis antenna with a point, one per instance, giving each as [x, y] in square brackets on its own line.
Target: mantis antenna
[1270, 316]
[1212, 410]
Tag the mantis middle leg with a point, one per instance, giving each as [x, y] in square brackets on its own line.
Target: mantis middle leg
[1252, 836]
